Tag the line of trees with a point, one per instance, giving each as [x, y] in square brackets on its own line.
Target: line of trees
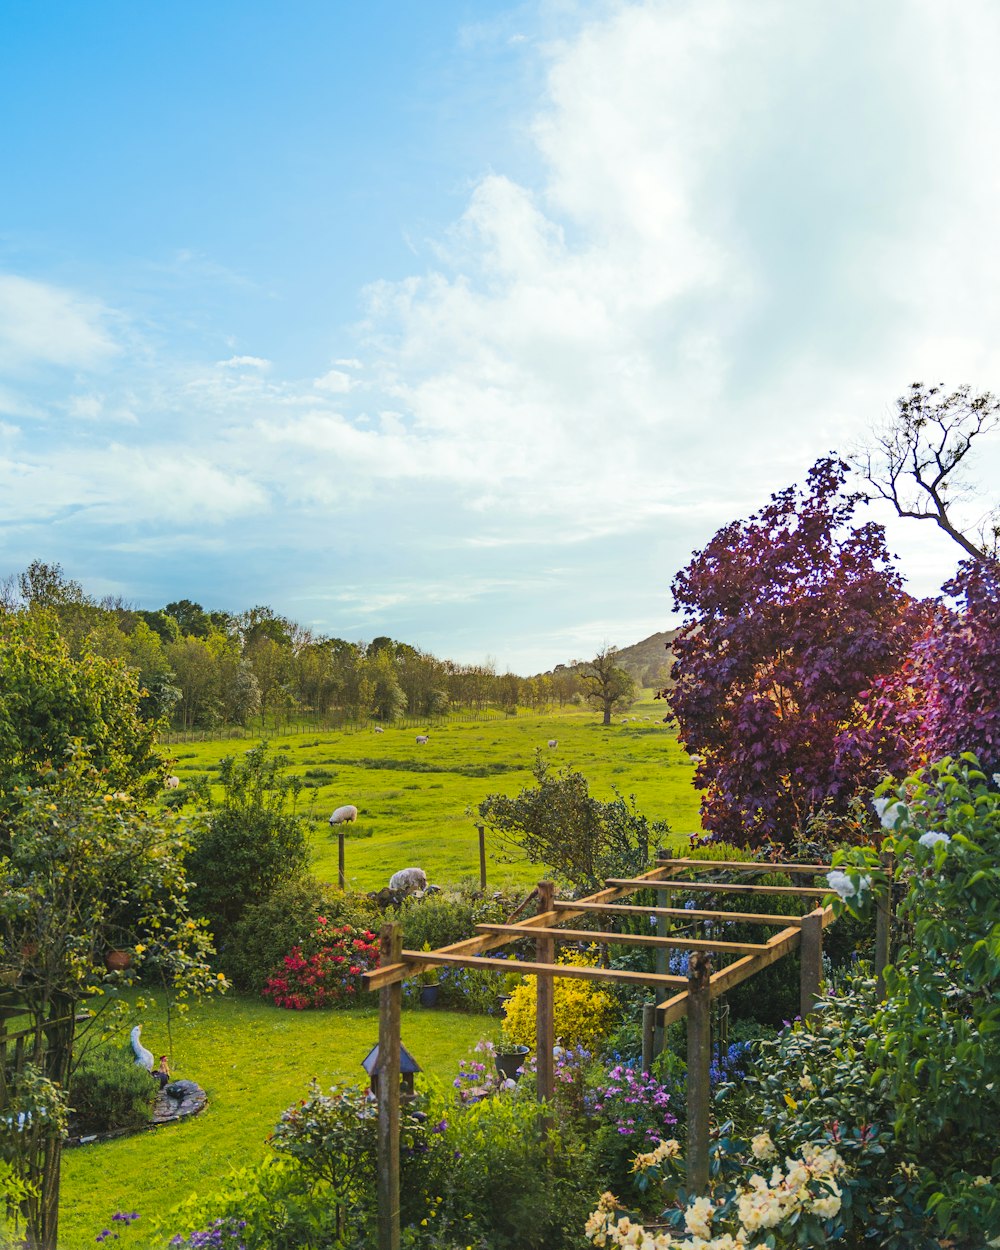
[215, 669]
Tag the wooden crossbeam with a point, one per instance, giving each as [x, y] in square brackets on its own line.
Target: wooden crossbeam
[529, 968]
[489, 941]
[691, 914]
[632, 939]
[742, 865]
[720, 887]
[675, 1008]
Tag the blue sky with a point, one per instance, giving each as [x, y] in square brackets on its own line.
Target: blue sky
[468, 322]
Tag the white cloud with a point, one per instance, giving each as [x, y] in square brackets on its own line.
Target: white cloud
[45, 325]
[245, 362]
[336, 381]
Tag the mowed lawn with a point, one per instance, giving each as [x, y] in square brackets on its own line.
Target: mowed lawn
[417, 803]
[254, 1060]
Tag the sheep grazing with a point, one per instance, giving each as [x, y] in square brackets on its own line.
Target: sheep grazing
[408, 880]
[379, 729]
[553, 743]
[422, 738]
[172, 783]
[345, 815]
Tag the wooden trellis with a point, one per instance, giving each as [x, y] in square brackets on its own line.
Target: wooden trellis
[691, 995]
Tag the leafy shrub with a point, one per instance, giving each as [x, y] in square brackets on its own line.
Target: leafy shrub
[934, 1043]
[269, 929]
[326, 970]
[557, 823]
[497, 1180]
[249, 843]
[800, 1205]
[583, 1011]
[109, 1090]
[441, 919]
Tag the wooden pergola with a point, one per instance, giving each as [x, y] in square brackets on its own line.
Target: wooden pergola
[688, 996]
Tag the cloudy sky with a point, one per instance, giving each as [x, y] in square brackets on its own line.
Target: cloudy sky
[467, 322]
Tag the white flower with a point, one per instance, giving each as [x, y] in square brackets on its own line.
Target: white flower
[842, 884]
[762, 1147]
[932, 839]
[698, 1217]
[890, 811]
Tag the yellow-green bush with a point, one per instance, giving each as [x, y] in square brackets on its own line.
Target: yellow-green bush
[584, 1012]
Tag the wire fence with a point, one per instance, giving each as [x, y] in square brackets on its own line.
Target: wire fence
[326, 724]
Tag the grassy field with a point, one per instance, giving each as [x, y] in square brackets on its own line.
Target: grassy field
[414, 801]
[253, 1060]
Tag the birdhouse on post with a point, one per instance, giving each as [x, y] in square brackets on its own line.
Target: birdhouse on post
[408, 1068]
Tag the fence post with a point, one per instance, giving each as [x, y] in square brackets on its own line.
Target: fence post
[340, 862]
[811, 951]
[883, 925]
[699, 1060]
[390, 1001]
[544, 1003]
[482, 857]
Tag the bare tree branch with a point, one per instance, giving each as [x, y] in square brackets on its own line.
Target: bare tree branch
[917, 462]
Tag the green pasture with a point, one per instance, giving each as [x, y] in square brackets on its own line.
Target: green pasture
[253, 1060]
[416, 803]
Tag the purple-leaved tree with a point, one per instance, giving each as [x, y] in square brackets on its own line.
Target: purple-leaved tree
[796, 626]
[958, 669]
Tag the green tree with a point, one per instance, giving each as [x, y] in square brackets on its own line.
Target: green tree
[606, 686]
[84, 869]
[558, 823]
[49, 701]
[250, 842]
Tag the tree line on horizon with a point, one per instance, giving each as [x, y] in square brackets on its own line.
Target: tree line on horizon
[201, 669]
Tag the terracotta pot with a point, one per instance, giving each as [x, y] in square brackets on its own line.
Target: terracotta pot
[118, 960]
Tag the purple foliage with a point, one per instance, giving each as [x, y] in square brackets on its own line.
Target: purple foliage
[796, 627]
[958, 669]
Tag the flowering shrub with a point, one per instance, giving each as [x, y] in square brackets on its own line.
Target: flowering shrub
[933, 1044]
[635, 1104]
[795, 1206]
[325, 970]
[583, 1011]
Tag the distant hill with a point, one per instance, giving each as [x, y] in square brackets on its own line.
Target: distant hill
[649, 661]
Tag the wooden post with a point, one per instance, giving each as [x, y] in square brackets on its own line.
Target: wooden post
[390, 1001]
[648, 1026]
[340, 862]
[883, 925]
[544, 1004]
[663, 928]
[482, 857]
[699, 1061]
[811, 951]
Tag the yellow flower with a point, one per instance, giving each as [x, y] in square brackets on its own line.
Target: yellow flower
[138, 948]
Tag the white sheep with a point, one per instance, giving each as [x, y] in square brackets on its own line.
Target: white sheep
[408, 880]
[172, 783]
[345, 815]
[422, 738]
[553, 743]
[379, 729]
